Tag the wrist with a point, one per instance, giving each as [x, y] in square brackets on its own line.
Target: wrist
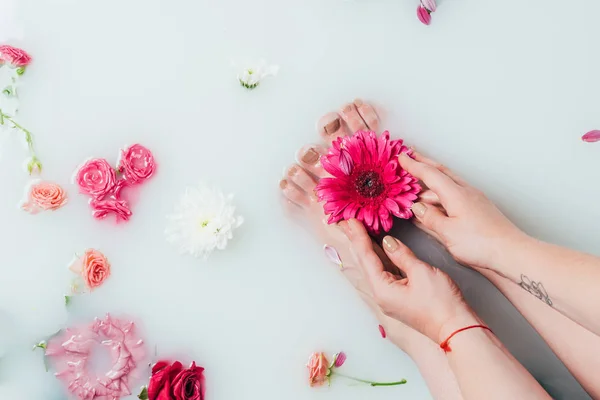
[506, 251]
[466, 318]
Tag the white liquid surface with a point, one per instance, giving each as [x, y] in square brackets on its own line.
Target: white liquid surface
[499, 91]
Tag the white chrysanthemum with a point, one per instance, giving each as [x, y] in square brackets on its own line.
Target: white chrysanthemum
[250, 76]
[203, 221]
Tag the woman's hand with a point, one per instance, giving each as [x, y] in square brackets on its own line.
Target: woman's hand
[461, 217]
[427, 299]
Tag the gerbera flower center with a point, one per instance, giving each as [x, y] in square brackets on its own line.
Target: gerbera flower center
[369, 184]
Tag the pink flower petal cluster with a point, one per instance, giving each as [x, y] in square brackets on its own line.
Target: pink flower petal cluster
[14, 56]
[367, 181]
[43, 196]
[97, 179]
[70, 351]
[424, 10]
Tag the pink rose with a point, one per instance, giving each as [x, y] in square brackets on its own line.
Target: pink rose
[15, 57]
[96, 178]
[136, 164]
[43, 196]
[103, 207]
[93, 267]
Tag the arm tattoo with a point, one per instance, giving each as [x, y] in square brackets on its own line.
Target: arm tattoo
[536, 289]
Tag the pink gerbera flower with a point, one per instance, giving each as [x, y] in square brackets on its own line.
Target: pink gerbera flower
[367, 181]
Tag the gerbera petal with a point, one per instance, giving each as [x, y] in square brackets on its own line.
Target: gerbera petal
[387, 223]
[369, 216]
[350, 211]
[330, 167]
[403, 202]
[346, 163]
[361, 214]
[375, 226]
[392, 206]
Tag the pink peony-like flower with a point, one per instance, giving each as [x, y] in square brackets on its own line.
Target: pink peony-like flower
[42, 196]
[424, 15]
[136, 164]
[367, 181]
[591, 136]
[103, 207]
[70, 352]
[14, 56]
[96, 178]
[93, 267]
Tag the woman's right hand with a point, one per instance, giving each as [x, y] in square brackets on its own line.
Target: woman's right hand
[461, 217]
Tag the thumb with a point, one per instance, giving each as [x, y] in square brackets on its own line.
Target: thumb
[401, 255]
[430, 216]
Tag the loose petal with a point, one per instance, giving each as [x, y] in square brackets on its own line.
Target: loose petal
[333, 255]
[429, 4]
[423, 15]
[591, 136]
[339, 359]
[382, 331]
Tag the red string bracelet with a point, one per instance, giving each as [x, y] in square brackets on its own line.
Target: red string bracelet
[445, 345]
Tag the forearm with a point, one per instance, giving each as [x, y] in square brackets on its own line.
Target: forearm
[483, 368]
[568, 340]
[433, 366]
[564, 279]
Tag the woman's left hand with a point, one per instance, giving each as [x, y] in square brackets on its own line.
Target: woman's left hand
[427, 299]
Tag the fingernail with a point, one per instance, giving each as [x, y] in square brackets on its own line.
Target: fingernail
[419, 209]
[283, 184]
[382, 331]
[310, 157]
[332, 127]
[292, 171]
[390, 243]
[348, 109]
[358, 102]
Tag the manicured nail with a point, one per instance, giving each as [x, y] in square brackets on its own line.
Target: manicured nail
[358, 102]
[348, 109]
[382, 331]
[390, 243]
[292, 171]
[310, 157]
[332, 127]
[283, 184]
[419, 209]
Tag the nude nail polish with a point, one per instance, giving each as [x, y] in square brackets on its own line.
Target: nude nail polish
[283, 184]
[310, 157]
[358, 102]
[419, 209]
[390, 243]
[332, 127]
[292, 171]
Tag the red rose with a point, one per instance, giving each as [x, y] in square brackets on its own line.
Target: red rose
[136, 164]
[173, 382]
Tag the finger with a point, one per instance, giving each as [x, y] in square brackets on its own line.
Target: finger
[430, 216]
[428, 231]
[401, 255]
[429, 196]
[436, 180]
[363, 248]
[442, 168]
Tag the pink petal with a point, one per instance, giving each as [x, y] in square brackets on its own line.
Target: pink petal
[591, 136]
[333, 255]
[392, 206]
[369, 216]
[429, 4]
[346, 163]
[339, 359]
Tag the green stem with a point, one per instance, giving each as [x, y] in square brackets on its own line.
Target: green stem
[402, 382]
[28, 136]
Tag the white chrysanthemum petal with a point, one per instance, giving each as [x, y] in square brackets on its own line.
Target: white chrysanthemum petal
[251, 74]
[203, 221]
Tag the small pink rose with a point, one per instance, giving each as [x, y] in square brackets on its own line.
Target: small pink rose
[14, 56]
[429, 4]
[96, 178]
[136, 164]
[103, 207]
[591, 136]
[423, 15]
[43, 196]
[93, 267]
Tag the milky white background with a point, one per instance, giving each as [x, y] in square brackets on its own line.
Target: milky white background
[500, 91]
